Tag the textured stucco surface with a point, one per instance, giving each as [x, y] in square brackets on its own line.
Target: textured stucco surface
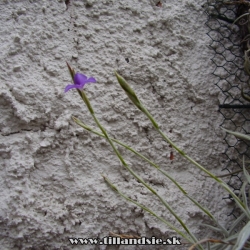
[51, 186]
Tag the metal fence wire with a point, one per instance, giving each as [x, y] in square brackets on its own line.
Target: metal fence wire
[229, 46]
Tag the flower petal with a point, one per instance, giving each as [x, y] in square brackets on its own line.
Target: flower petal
[68, 87]
[91, 79]
[80, 79]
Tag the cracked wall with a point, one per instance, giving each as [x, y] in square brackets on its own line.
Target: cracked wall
[51, 184]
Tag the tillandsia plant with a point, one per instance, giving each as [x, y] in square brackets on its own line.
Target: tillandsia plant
[79, 82]
[243, 22]
[239, 231]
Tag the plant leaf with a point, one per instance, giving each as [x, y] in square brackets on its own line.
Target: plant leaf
[243, 237]
[245, 171]
[238, 135]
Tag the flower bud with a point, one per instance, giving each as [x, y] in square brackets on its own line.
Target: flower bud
[129, 91]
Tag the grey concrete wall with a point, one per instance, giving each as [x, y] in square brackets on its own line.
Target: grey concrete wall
[51, 186]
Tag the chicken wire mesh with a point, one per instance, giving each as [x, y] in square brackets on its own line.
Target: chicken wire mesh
[228, 42]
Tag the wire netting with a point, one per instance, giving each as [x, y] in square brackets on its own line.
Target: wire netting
[228, 46]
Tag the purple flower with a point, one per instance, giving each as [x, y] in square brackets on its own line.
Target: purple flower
[79, 81]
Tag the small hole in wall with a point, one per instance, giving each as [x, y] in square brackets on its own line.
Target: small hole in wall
[88, 5]
[159, 4]
[127, 60]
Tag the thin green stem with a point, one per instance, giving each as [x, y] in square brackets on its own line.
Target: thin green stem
[86, 101]
[222, 183]
[132, 95]
[142, 181]
[150, 162]
[148, 210]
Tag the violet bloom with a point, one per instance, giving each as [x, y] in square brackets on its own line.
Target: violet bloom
[79, 81]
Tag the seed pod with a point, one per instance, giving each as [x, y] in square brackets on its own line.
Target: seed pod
[71, 71]
[133, 97]
[129, 91]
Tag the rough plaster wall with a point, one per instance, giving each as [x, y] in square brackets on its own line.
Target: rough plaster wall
[51, 186]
